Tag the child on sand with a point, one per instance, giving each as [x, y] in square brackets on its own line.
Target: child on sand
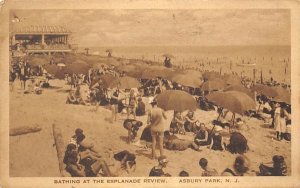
[158, 170]
[203, 163]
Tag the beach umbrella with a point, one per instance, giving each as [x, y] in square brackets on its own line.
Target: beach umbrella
[126, 68]
[99, 65]
[193, 73]
[239, 88]
[61, 64]
[108, 50]
[232, 79]
[234, 101]
[187, 80]
[176, 100]
[265, 90]
[105, 80]
[283, 95]
[216, 84]
[55, 71]
[211, 75]
[36, 61]
[77, 68]
[125, 82]
[168, 55]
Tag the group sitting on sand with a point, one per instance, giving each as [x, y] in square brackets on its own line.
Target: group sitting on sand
[82, 159]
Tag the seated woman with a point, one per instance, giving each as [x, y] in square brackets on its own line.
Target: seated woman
[127, 160]
[71, 99]
[88, 166]
[279, 167]
[202, 137]
[190, 122]
[217, 140]
[240, 167]
[237, 143]
[177, 124]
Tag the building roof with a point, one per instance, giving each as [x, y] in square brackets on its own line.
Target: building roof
[42, 29]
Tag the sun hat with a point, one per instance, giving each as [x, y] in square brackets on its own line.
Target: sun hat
[162, 159]
[218, 128]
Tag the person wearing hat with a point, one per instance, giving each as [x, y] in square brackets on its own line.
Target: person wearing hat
[156, 120]
[158, 170]
[217, 140]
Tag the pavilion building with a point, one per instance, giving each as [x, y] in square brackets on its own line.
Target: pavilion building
[40, 40]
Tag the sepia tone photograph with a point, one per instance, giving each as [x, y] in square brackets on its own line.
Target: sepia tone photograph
[149, 93]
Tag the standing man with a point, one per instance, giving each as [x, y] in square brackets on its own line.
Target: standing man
[156, 117]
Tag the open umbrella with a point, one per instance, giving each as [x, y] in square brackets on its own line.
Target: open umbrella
[241, 89]
[176, 100]
[235, 101]
[265, 90]
[215, 84]
[55, 71]
[168, 55]
[283, 95]
[211, 75]
[187, 80]
[105, 80]
[125, 82]
[75, 68]
[232, 79]
[126, 68]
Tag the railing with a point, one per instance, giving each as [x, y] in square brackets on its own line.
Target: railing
[48, 47]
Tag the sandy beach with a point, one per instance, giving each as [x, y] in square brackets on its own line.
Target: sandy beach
[34, 154]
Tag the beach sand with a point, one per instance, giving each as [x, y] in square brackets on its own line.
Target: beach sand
[34, 154]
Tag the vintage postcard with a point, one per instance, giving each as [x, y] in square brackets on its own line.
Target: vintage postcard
[149, 93]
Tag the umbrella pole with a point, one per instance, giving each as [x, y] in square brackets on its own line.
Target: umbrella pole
[215, 125]
[233, 118]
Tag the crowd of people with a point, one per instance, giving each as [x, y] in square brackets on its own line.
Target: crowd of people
[88, 89]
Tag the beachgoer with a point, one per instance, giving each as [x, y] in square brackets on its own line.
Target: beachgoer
[279, 167]
[140, 110]
[132, 126]
[237, 143]
[156, 117]
[127, 160]
[177, 124]
[203, 163]
[280, 121]
[202, 137]
[217, 140]
[190, 122]
[240, 167]
[158, 170]
[172, 142]
[84, 166]
[183, 173]
[131, 109]
[114, 101]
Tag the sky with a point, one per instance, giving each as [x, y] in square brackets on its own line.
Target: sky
[205, 27]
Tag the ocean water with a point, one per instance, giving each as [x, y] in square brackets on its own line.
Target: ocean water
[272, 61]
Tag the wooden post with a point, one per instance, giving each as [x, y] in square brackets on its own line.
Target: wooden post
[261, 76]
[254, 76]
[24, 130]
[60, 148]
